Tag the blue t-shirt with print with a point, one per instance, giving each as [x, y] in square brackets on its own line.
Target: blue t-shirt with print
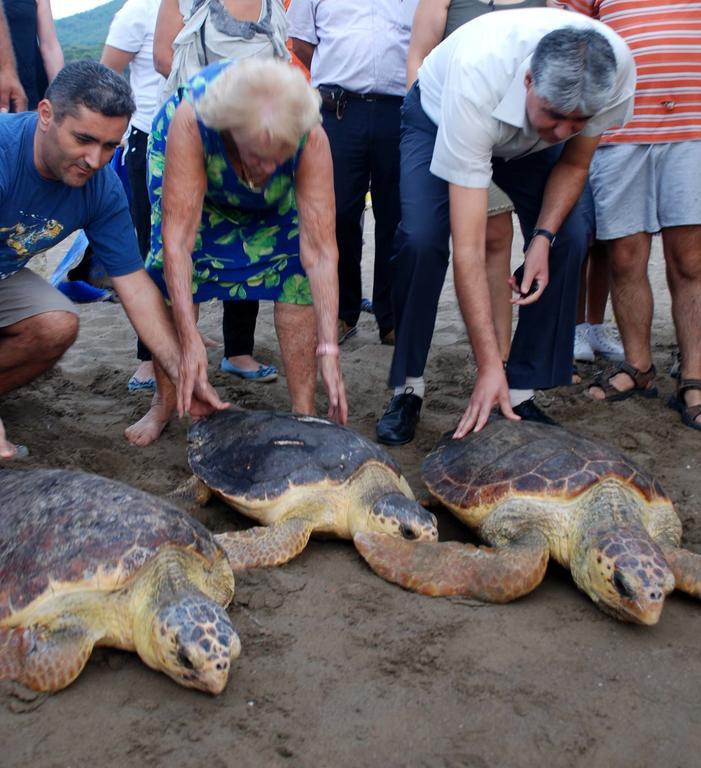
[37, 213]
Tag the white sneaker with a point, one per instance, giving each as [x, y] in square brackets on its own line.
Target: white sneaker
[606, 341]
[582, 346]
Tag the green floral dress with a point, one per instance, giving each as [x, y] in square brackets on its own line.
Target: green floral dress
[247, 244]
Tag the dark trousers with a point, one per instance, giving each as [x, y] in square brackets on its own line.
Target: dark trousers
[365, 151]
[239, 327]
[140, 208]
[542, 347]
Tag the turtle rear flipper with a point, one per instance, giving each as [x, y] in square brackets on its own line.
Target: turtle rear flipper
[450, 568]
[264, 546]
[192, 490]
[686, 567]
[44, 659]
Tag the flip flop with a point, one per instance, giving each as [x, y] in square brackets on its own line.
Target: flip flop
[139, 385]
[262, 374]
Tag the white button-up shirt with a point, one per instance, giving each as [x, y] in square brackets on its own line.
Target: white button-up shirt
[361, 45]
[472, 87]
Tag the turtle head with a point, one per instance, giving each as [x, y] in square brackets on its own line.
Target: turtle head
[624, 572]
[398, 515]
[194, 643]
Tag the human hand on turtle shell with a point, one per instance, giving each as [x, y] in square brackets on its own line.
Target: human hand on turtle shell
[330, 368]
[490, 388]
[195, 395]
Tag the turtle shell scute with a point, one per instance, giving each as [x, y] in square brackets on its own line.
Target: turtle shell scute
[524, 458]
[259, 455]
[59, 526]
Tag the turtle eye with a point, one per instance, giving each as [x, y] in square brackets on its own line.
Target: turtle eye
[407, 533]
[184, 660]
[621, 586]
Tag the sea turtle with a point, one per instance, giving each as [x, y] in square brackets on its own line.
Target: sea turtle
[533, 491]
[88, 561]
[299, 475]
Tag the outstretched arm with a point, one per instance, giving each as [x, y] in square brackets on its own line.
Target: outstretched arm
[11, 91]
[146, 310]
[563, 188]
[468, 223]
[319, 255]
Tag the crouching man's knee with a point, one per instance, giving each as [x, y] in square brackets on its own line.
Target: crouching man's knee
[52, 333]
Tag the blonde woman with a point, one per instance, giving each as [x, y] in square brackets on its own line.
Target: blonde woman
[242, 202]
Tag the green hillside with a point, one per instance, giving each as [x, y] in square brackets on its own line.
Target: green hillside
[83, 34]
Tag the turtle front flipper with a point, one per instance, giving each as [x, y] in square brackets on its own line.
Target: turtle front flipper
[686, 567]
[450, 568]
[264, 546]
[42, 658]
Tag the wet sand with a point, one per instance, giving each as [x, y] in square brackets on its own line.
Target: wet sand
[338, 667]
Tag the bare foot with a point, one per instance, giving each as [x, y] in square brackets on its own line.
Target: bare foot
[149, 427]
[208, 341]
[7, 449]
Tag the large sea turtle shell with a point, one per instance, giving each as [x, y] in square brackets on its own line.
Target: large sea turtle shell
[297, 476]
[255, 455]
[59, 529]
[510, 458]
[88, 561]
[532, 492]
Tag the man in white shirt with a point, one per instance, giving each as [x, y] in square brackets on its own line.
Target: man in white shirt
[357, 53]
[492, 100]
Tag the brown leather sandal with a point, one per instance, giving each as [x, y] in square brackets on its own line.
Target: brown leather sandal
[689, 412]
[642, 383]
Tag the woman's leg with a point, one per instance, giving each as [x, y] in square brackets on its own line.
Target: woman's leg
[295, 325]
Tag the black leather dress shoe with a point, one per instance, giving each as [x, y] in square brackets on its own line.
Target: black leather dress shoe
[529, 411]
[398, 423]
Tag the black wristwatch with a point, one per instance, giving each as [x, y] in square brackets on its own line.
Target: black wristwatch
[545, 233]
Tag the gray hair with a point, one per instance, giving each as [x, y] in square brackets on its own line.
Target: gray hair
[262, 97]
[574, 69]
[89, 84]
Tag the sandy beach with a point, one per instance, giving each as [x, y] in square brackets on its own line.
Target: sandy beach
[339, 668]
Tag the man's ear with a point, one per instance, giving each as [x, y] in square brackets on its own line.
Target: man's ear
[528, 80]
[46, 113]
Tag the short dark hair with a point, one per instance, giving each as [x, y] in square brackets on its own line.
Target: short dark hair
[89, 84]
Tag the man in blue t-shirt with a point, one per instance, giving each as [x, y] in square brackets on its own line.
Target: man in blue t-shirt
[53, 181]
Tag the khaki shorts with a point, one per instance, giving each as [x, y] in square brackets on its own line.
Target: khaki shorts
[25, 294]
[498, 201]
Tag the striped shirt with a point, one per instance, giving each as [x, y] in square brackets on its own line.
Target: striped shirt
[665, 38]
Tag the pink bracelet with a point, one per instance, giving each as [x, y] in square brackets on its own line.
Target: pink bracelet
[327, 348]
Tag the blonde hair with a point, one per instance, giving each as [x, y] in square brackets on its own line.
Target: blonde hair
[262, 97]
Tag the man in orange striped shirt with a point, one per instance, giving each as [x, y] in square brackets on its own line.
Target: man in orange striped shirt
[646, 179]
